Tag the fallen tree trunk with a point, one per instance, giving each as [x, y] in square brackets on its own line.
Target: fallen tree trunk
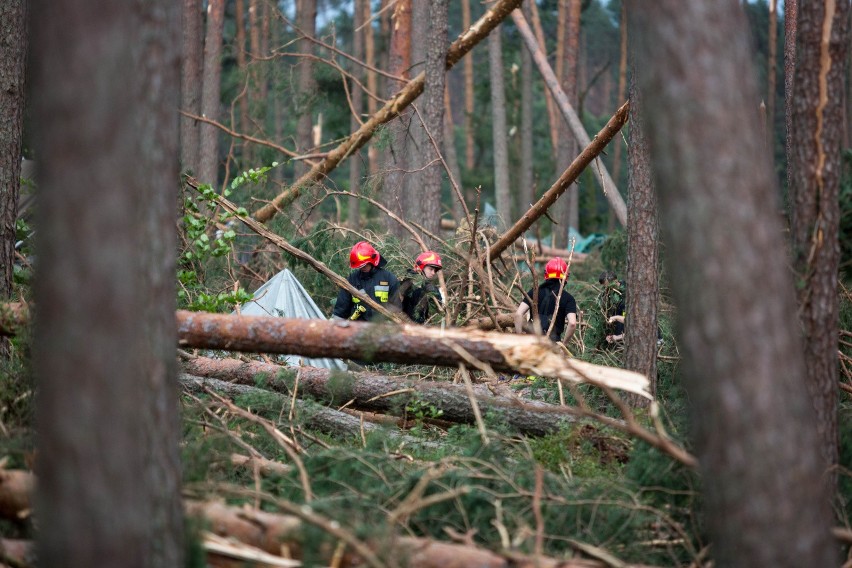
[458, 49]
[324, 419]
[574, 123]
[268, 531]
[381, 393]
[568, 177]
[410, 344]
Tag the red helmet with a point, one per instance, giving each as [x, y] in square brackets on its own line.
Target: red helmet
[556, 268]
[428, 258]
[363, 253]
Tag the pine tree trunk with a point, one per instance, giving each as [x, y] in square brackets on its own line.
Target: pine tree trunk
[307, 22]
[754, 429]
[399, 63]
[643, 291]
[622, 90]
[771, 66]
[433, 115]
[451, 155]
[357, 94]
[816, 141]
[109, 463]
[791, 10]
[468, 95]
[526, 193]
[552, 112]
[13, 58]
[502, 194]
[208, 154]
[372, 77]
[568, 147]
[191, 66]
[242, 66]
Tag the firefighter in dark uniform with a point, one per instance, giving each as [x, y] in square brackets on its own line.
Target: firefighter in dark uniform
[418, 300]
[611, 301]
[555, 304]
[368, 276]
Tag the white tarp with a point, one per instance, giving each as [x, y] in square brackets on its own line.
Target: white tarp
[284, 296]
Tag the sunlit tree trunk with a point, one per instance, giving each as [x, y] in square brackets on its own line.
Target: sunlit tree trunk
[568, 147]
[307, 21]
[107, 413]
[13, 57]
[502, 194]
[208, 155]
[753, 423]
[821, 56]
[192, 62]
[420, 151]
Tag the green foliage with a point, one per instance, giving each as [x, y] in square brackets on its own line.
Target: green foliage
[421, 409]
[201, 248]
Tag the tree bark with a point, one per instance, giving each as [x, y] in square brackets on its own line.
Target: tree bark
[394, 344]
[398, 102]
[396, 155]
[643, 289]
[354, 209]
[552, 113]
[576, 125]
[816, 141]
[469, 147]
[753, 423]
[192, 63]
[307, 22]
[208, 153]
[568, 143]
[622, 91]
[433, 116]
[326, 420]
[452, 159]
[107, 87]
[526, 193]
[242, 66]
[771, 67]
[567, 178]
[791, 11]
[13, 61]
[502, 194]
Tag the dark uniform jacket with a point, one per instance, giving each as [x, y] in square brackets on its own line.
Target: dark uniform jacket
[547, 308]
[379, 284]
[417, 300]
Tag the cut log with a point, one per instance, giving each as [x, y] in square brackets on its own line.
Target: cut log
[16, 487]
[568, 177]
[381, 393]
[458, 49]
[410, 344]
